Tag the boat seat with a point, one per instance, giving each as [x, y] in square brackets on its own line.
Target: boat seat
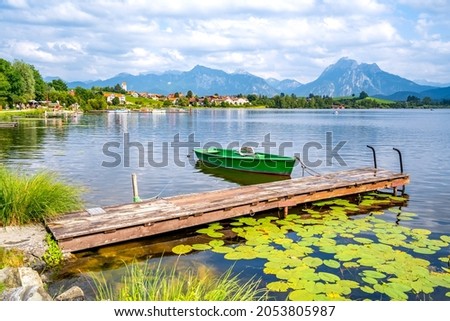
[246, 151]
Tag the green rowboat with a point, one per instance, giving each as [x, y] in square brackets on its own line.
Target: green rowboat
[246, 160]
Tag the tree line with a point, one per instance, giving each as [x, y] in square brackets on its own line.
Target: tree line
[21, 83]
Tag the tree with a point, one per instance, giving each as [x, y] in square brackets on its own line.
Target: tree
[189, 94]
[116, 101]
[26, 89]
[58, 85]
[427, 100]
[363, 95]
[4, 89]
[40, 86]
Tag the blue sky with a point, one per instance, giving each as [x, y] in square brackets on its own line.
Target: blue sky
[88, 40]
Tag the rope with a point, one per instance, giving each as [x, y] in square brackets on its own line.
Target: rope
[305, 168]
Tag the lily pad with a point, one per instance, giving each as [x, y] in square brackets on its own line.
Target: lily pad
[445, 238]
[350, 265]
[201, 247]
[222, 249]
[278, 286]
[328, 277]
[301, 295]
[367, 289]
[423, 250]
[421, 231]
[216, 243]
[332, 264]
[373, 274]
[363, 240]
[182, 249]
[312, 261]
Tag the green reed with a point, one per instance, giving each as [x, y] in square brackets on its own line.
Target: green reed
[34, 198]
[144, 282]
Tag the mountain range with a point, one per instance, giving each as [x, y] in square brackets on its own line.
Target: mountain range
[344, 78]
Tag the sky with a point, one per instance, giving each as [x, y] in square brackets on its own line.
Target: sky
[282, 39]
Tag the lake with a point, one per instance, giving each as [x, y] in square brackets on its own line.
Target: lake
[100, 152]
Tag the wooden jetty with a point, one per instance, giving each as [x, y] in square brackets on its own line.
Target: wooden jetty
[9, 124]
[101, 226]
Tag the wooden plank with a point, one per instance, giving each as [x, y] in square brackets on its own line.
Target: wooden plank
[80, 230]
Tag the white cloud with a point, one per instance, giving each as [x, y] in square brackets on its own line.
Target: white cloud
[31, 50]
[287, 38]
[19, 4]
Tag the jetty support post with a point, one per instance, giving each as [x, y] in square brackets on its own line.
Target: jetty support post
[136, 198]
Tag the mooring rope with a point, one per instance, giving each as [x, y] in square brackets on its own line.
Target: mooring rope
[305, 168]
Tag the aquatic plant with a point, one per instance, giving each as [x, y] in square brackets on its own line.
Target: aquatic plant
[34, 198]
[53, 256]
[144, 282]
[324, 253]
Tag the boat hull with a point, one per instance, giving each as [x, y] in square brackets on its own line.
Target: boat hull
[257, 162]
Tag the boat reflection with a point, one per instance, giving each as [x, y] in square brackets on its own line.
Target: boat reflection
[236, 176]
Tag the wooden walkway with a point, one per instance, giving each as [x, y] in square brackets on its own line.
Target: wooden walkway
[97, 227]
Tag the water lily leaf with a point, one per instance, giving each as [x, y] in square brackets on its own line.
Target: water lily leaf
[278, 286]
[445, 238]
[215, 226]
[250, 221]
[349, 284]
[328, 277]
[222, 249]
[373, 274]
[421, 231]
[397, 198]
[328, 249]
[214, 234]
[201, 247]
[236, 223]
[370, 280]
[350, 265]
[367, 289]
[347, 235]
[203, 230]
[363, 240]
[216, 243]
[181, 249]
[447, 294]
[301, 295]
[423, 250]
[371, 261]
[332, 264]
[312, 261]
[395, 210]
[407, 214]
[395, 292]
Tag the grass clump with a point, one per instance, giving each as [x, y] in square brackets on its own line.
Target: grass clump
[11, 258]
[145, 283]
[34, 198]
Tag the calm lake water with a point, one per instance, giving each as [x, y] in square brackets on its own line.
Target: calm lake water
[100, 152]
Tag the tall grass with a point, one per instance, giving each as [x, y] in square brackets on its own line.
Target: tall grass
[144, 283]
[34, 198]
